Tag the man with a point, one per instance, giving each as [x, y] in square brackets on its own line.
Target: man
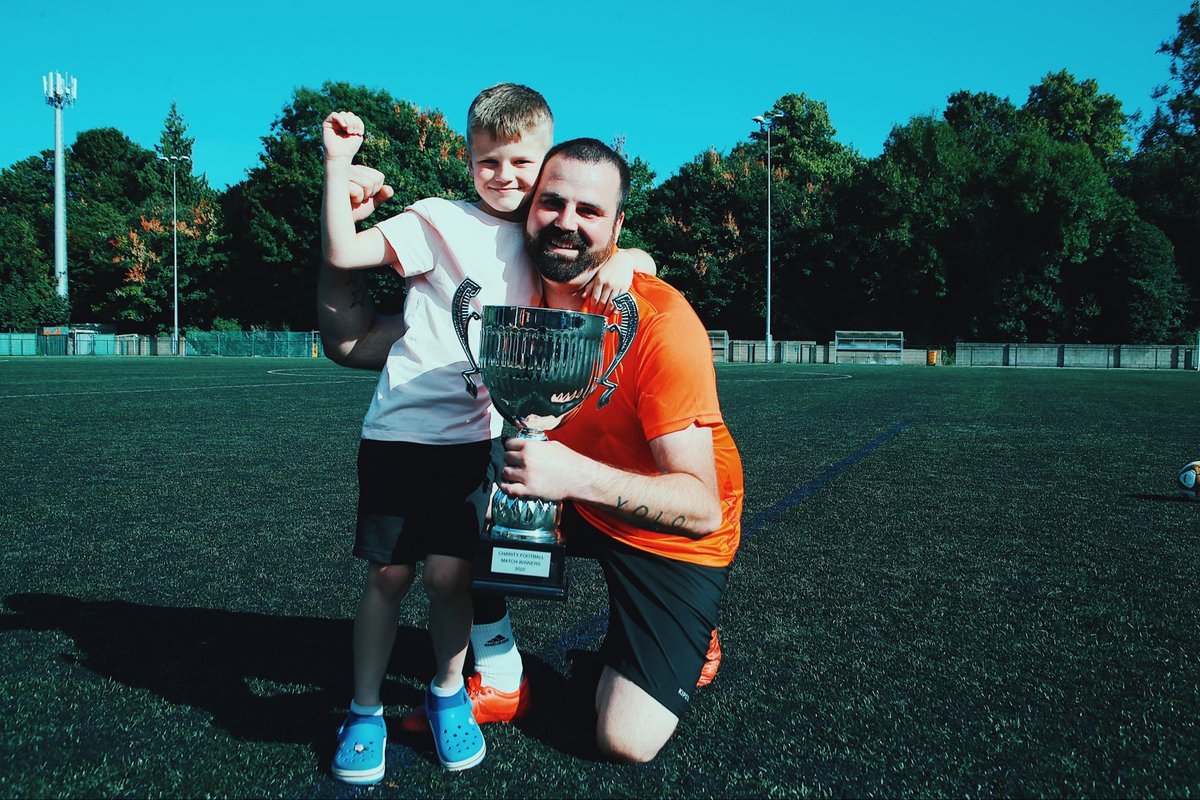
[653, 481]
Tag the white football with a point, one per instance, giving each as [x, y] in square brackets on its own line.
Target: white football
[1188, 482]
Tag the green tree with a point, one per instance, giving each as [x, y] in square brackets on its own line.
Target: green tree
[985, 225]
[1142, 298]
[28, 291]
[900, 214]
[1076, 112]
[641, 181]
[812, 286]
[119, 237]
[1164, 177]
[199, 235]
[106, 180]
[708, 227]
[1178, 115]
[27, 245]
[273, 216]
[109, 178]
[174, 141]
[695, 229]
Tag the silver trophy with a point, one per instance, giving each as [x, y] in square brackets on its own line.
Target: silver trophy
[539, 365]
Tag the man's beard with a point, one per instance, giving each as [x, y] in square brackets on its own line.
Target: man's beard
[553, 266]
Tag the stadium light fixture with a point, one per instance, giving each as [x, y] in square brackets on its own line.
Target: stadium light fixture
[60, 93]
[174, 160]
[766, 122]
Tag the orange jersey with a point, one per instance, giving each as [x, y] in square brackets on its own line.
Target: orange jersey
[665, 383]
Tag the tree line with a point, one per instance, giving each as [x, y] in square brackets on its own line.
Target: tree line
[1060, 219]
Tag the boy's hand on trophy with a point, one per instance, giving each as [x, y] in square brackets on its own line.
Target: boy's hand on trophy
[342, 135]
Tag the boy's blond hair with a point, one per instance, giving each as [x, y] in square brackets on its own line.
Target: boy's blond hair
[506, 111]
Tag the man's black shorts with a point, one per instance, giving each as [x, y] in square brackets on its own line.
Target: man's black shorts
[415, 500]
[662, 612]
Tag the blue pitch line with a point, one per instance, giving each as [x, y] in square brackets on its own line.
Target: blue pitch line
[801, 494]
[589, 631]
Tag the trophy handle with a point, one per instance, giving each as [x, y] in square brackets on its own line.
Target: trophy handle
[626, 329]
[462, 320]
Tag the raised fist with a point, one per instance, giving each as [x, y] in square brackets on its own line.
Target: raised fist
[342, 134]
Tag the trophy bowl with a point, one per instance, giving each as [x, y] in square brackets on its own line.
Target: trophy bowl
[539, 364]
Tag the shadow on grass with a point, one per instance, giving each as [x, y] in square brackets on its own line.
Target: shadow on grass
[564, 707]
[262, 677]
[280, 679]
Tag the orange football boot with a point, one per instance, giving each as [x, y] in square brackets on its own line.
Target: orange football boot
[488, 704]
[712, 661]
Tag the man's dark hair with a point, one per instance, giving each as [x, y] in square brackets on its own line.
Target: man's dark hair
[593, 151]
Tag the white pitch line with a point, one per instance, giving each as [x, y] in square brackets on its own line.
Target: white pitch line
[184, 388]
[820, 379]
[296, 372]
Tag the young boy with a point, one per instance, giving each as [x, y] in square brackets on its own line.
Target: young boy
[430, 452]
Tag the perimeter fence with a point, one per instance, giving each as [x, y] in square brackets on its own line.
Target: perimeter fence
[307, 344]
[1094, 356]
[969, 354]
[274, 344]
[742, 351]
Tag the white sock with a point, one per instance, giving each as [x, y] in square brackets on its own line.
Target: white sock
[438, 691]
[497, 658]
[366, 711]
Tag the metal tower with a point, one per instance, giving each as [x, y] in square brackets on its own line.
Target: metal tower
[60, 92]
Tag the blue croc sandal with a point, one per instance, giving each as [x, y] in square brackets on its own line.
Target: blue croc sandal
[455, 733]
[360, 745]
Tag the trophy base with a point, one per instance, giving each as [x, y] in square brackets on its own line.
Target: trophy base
[522, 569]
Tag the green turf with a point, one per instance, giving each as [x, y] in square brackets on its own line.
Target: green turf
[999, 599]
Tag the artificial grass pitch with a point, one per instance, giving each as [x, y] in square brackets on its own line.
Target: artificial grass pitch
[952, 582]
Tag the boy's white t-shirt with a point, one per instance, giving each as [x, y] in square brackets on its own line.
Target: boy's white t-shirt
[421, 396]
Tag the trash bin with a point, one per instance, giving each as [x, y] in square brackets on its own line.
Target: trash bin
[931, 357]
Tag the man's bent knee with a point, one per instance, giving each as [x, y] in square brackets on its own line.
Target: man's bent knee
[631, 725]
[620, 748]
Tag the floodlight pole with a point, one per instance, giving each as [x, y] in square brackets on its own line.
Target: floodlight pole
[60, 92]
[175, 246]
[767, 123]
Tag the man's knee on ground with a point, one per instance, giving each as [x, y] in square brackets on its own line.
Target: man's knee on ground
[620, 746]
[630, 724]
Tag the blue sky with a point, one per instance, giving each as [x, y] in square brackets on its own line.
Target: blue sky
[673, 79]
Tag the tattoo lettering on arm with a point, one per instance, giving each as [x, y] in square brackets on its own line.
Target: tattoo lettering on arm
[642, 513]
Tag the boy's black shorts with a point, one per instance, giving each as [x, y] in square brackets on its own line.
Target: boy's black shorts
[415, 500]
[661, 612]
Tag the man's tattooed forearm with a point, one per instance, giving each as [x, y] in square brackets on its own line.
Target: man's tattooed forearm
[644, 513]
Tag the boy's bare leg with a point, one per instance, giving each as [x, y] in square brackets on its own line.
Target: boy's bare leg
[447, 581]
[375, 627]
